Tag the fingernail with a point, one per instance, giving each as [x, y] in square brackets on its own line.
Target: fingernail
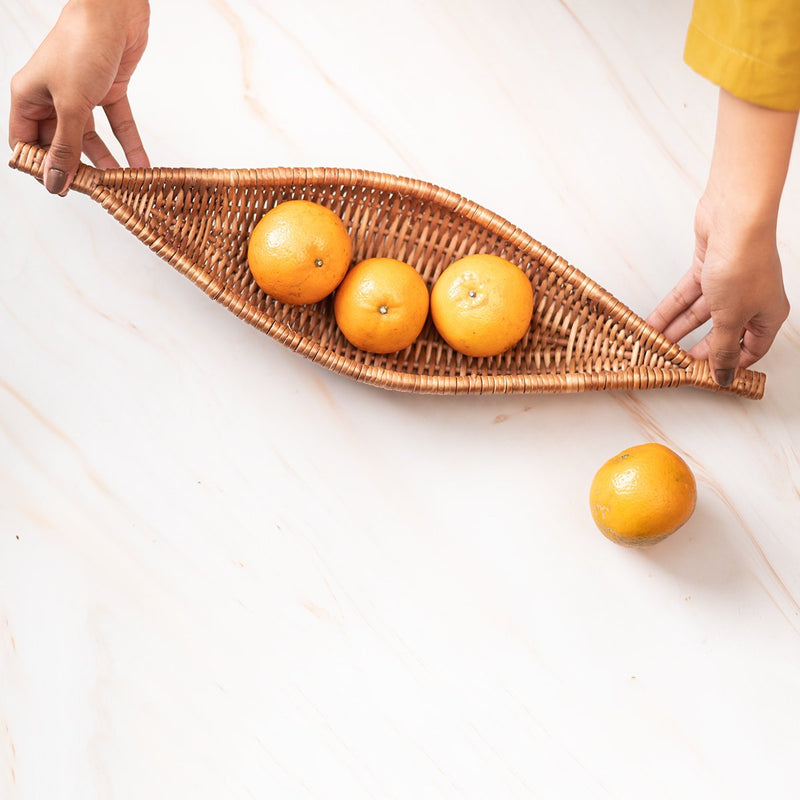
[724, 377]
[55, 181]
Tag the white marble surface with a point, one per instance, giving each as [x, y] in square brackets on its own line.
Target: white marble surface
[228, 573]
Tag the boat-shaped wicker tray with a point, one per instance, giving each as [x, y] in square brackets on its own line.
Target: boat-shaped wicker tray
[581, 337]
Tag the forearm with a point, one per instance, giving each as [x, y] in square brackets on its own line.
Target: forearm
[751, 156]
[124, 7]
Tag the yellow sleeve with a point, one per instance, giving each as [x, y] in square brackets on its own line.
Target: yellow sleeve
[751, 48]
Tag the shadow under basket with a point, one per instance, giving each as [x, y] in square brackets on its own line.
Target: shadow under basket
[581, 338]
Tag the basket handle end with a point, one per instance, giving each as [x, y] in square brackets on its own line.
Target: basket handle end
[746, 382]
[29, 158]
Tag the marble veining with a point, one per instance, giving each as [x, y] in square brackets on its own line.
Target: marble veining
[226, 572]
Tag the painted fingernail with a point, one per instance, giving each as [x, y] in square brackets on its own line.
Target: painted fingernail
[724, 377]
[55, 181]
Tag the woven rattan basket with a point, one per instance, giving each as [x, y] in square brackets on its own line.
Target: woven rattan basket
[581, 338]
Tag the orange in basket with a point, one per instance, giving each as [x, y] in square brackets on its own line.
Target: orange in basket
[381, 305]
[299, 252]
[482, 305]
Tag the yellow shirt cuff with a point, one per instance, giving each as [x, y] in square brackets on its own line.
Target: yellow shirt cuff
[742, 74]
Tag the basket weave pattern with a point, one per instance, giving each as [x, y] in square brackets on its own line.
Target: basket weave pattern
[581, 338]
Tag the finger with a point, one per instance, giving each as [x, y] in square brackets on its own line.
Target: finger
[755, 344]
[96, 149]
[64, 154]
[47, 130]
[682, 296]
[725, 350]
[124, 127]
[21, 128]
[701, 351]
[691, 319]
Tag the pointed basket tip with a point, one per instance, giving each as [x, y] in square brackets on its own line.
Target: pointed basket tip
[28, 158]
[746, 383]
[581, 338]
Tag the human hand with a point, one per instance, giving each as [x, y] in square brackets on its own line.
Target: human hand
[85, 61]
[735, 278]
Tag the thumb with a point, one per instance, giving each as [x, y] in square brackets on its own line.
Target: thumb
[724, 351]
[64, 154]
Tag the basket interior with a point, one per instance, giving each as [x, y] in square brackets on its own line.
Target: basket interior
[206, 225]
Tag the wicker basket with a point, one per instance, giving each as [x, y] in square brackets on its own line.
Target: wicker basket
[581, 338]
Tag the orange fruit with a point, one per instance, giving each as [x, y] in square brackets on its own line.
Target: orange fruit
[642, 495]
[299, 252]
[381, 305]
[482, 305]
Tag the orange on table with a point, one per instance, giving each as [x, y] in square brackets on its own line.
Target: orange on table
[482, 305]
[381, 305]
[642, 495]
[299, 251]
